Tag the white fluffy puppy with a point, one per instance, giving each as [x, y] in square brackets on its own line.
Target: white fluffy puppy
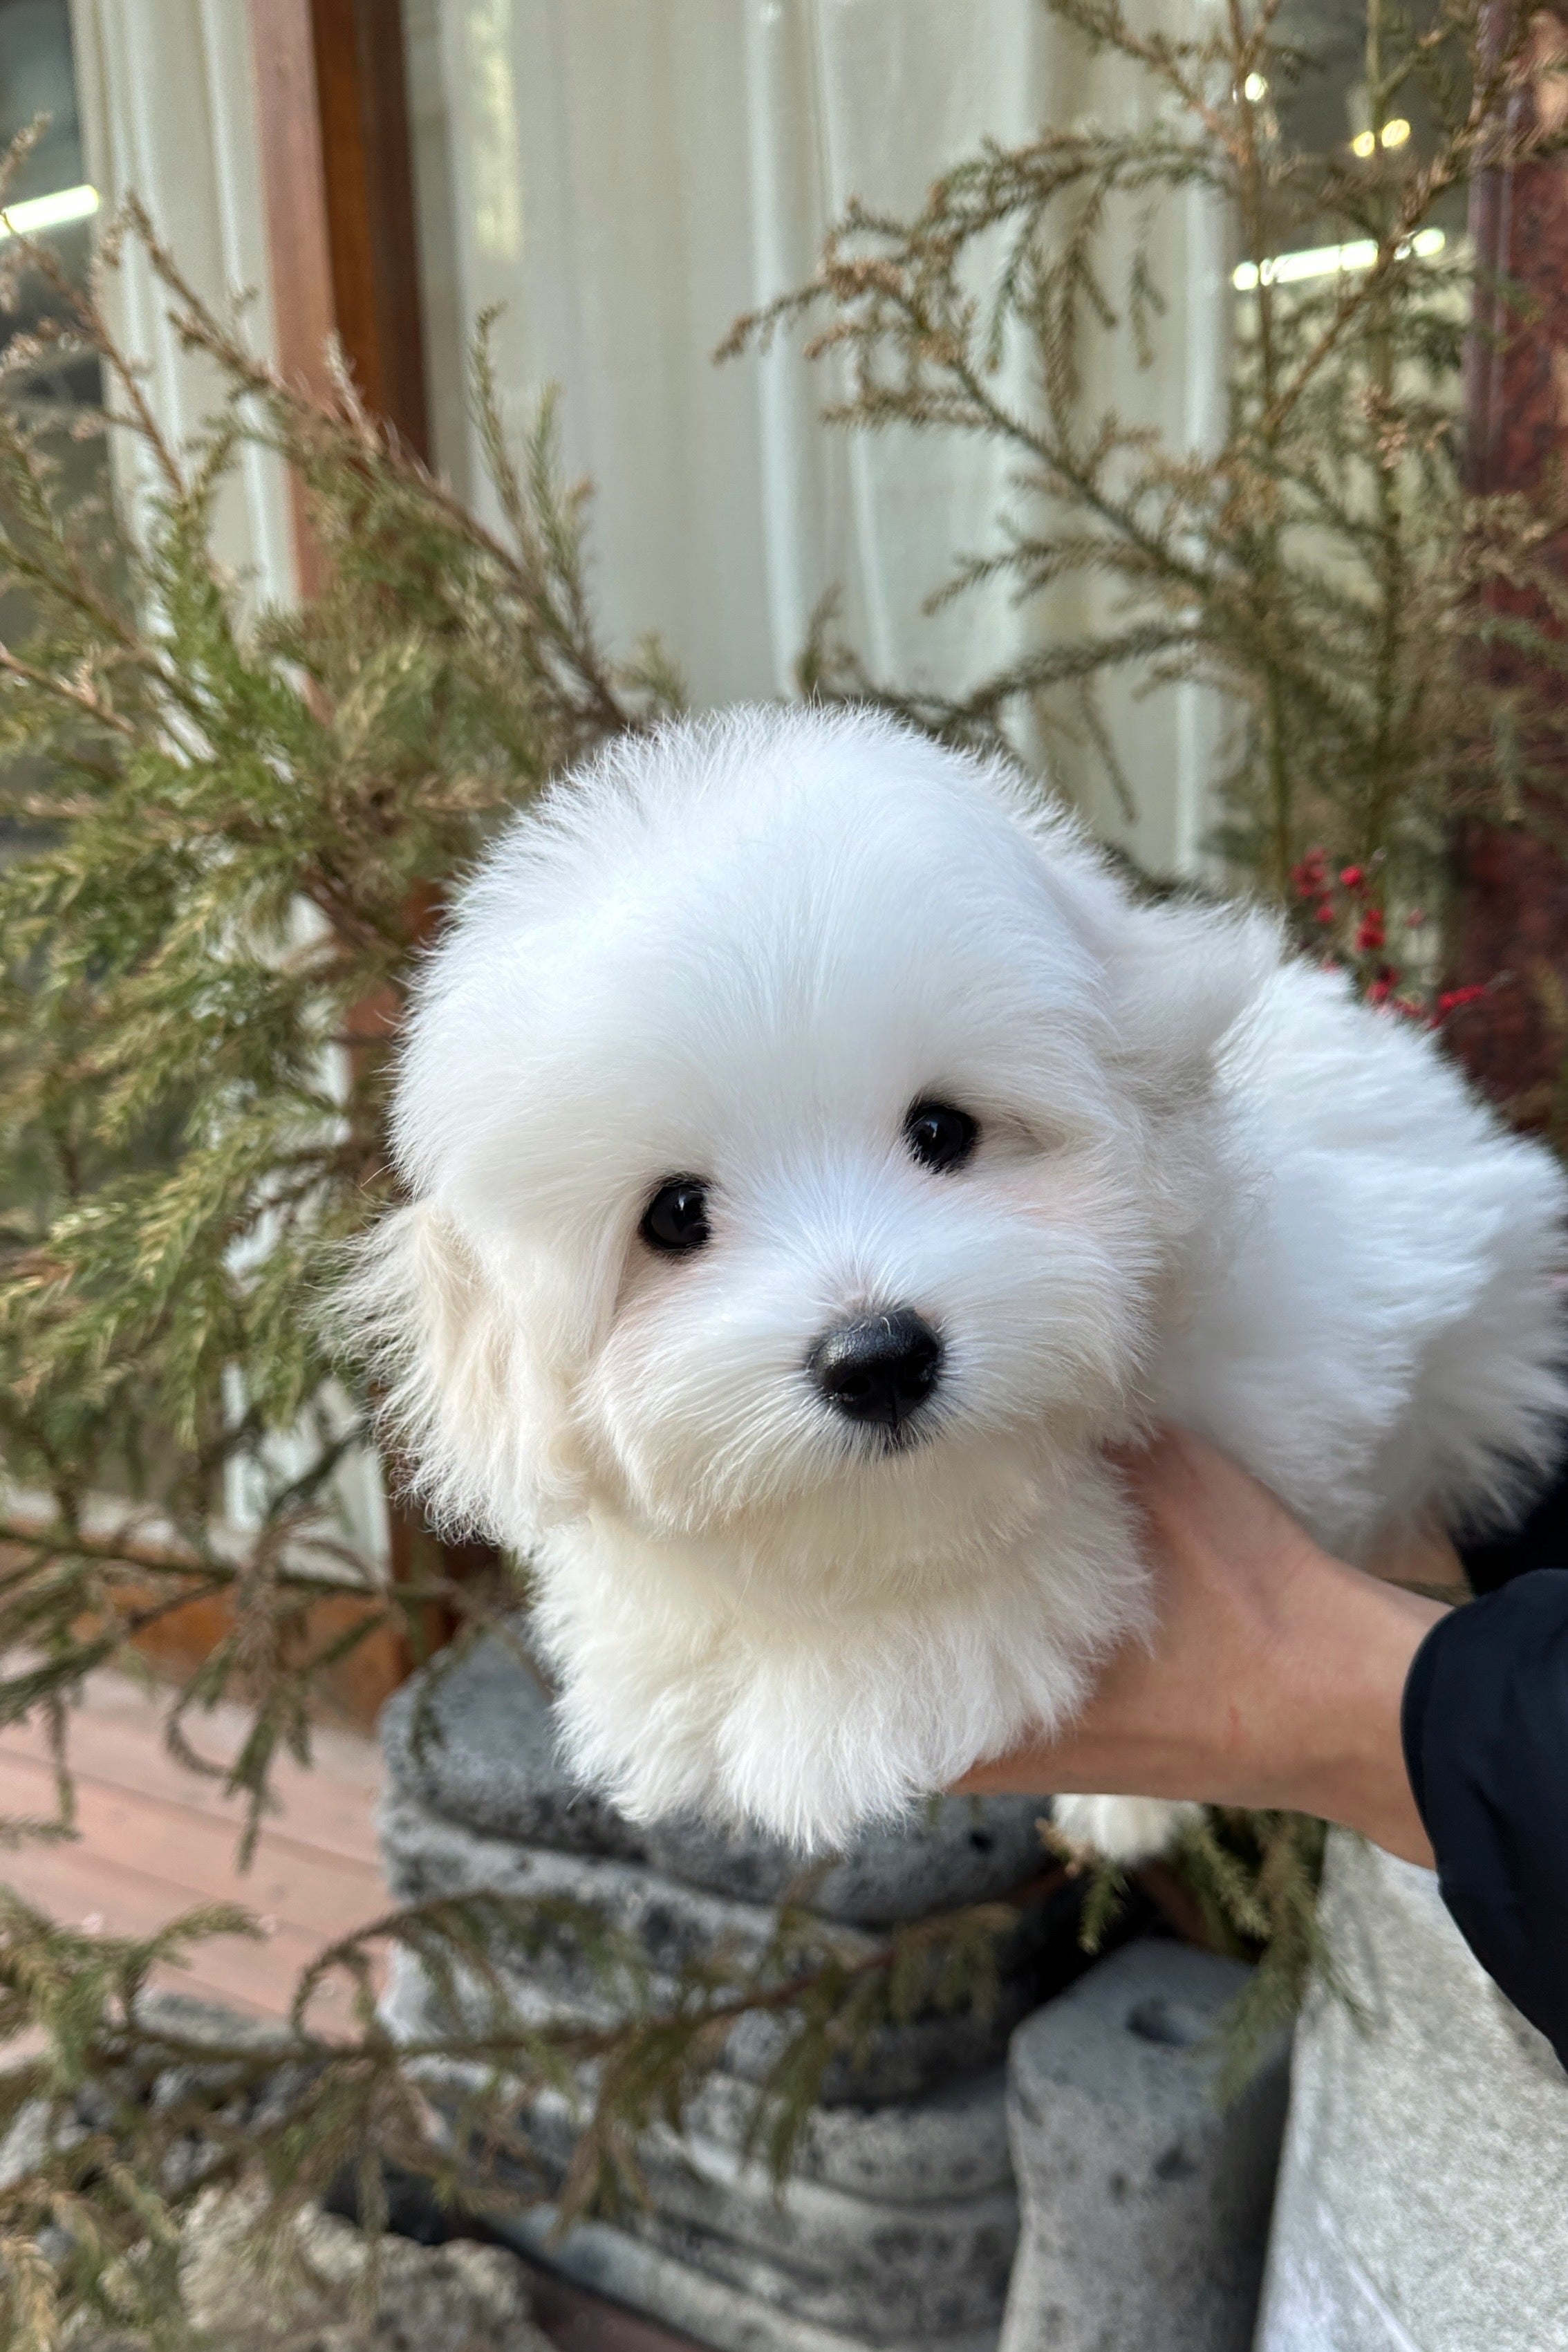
[815, 1156]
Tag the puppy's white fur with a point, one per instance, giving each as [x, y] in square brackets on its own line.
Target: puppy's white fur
[1209, 1187]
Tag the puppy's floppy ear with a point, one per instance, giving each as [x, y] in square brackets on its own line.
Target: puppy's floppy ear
[465, 1398]
[1179, 972]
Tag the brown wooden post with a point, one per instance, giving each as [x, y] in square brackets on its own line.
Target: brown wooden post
[338, 186]
[1511, 925]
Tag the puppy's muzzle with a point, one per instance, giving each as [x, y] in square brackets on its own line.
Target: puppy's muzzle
[879, 1371]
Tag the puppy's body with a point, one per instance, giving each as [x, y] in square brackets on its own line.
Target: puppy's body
[907, 1060]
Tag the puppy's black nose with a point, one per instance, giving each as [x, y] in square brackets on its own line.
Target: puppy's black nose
[880, 1369]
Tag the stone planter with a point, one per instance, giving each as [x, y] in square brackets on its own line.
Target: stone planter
[1145, 2203]
[1423, 2202]
[899, 2227]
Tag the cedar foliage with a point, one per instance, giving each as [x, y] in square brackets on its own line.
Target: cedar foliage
[233, 830]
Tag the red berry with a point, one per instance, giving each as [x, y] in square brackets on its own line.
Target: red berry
[1310, 875]
[1453, 998]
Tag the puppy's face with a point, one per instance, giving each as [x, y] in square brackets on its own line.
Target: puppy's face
[818, 1139]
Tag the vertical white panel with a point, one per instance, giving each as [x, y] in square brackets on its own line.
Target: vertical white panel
[169, 115]
[781, 135]
[1200, 714]
[445, 320]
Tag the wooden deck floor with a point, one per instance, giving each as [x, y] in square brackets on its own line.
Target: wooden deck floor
[156, 1840]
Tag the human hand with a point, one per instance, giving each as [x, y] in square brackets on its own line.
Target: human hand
[1274, 1673]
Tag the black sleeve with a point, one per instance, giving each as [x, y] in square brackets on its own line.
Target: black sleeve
[1538, 1540]
[1486, 1744]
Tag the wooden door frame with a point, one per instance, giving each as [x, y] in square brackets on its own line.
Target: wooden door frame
[341, 232]
[337, 178]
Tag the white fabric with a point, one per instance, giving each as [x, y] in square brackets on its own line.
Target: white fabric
[168, 113]
[626, 176]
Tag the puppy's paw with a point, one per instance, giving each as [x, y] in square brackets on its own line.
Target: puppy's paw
[1120, 1828]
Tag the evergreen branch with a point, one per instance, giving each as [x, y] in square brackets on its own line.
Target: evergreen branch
[72, 690]
[205, 1573]
[182, 2110]
[310, 427]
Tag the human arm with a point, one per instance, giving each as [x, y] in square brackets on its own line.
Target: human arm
[1486, 1742]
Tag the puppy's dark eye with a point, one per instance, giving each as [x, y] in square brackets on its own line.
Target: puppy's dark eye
[676, 1219]
[940, 1136]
